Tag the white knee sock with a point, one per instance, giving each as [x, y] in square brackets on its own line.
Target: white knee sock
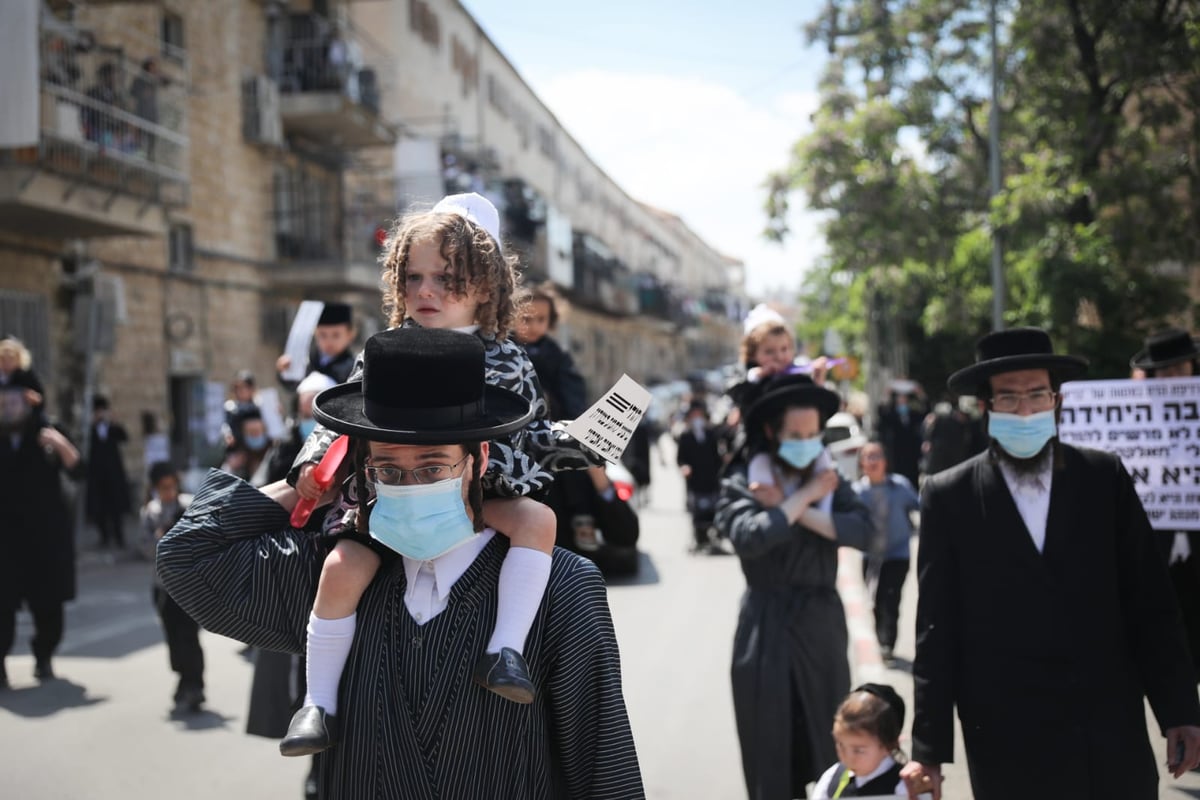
[328, 648]
[523, 579]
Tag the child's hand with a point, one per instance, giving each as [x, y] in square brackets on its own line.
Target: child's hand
[306, 484]
[820, 368]
[283, 362]
[767, 494]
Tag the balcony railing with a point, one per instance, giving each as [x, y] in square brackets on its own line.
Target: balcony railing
[330, 81]
[601, 281]
[324, 242]
[106, 121]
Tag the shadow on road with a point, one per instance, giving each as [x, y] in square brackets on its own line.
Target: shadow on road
[647, 574]
[47, 699]
[203, 720]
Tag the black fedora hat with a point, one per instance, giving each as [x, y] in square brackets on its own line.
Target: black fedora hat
[793, 389]
[422, 386]
[1164, 349]
[1011, 350]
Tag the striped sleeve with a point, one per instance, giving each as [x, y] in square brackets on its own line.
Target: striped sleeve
[590, 735]
[236, 565]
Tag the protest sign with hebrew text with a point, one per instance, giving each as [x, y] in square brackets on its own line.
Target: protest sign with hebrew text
[1154, 427]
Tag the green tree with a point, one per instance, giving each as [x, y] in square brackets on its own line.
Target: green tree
[1101, 111]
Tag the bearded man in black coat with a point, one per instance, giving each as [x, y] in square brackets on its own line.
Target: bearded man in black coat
[1044, 611]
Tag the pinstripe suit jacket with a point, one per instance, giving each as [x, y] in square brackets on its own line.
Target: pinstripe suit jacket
[413, 723]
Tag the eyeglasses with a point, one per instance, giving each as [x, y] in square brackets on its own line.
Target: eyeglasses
[1009, 402]
[394, 476]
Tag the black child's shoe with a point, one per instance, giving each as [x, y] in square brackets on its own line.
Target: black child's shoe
[310, 731]
[42, 670]
[505, 674]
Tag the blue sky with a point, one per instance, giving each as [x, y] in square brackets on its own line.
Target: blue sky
[687, 105]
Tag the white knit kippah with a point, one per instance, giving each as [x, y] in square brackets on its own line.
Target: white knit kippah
[474, 207]
[758, 315]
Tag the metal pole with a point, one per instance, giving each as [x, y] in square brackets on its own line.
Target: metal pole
[994, 170]
[87, 284]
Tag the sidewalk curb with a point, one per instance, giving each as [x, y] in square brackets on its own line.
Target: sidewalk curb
[866, 664]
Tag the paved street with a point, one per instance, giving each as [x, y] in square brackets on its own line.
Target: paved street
[103, 730]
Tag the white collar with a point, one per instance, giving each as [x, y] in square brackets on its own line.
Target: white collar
[467, 329]
[883, 767]
[449, 567]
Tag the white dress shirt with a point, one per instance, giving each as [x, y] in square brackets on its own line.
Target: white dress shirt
[1181, 549]
[430, 582]
[1031, 493]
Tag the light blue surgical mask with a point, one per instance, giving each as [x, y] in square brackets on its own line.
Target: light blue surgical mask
[257, 442]
[422, 521]
[801, 452]
[1022, 437]
[306, 427]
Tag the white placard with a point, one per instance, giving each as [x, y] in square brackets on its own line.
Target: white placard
[155, 447]
[214, 411]
[1154, 426]
[267, 401]
[607, 426]
[299, 341]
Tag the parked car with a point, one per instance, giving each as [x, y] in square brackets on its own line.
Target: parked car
[607, 533]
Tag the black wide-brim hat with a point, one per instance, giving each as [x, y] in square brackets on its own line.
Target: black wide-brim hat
[1164, 349]
[1012, 350]
[785, 391]
[422, 386]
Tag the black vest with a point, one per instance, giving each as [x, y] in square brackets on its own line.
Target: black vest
[884, 784]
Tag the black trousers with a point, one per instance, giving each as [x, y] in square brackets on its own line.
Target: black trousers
[112, 532]
[892, 573]
[47, 628]
[183, 640]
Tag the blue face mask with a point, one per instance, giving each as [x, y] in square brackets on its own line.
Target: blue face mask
[1022, 437]
[256, 442]
[422, 521]
[800, 452]
[307, 426]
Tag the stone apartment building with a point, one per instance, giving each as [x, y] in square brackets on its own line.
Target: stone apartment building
[175, 176]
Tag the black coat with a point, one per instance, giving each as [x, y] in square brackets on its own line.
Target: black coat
[564, 387]
[1046, 655]
[107, 484]
[414, 725]
[1185, 578]
[704, 458]
[901, 440]
[36, 535]
[790, 670]
[339, 367]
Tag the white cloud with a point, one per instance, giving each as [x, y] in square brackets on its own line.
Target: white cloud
[698, 149]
